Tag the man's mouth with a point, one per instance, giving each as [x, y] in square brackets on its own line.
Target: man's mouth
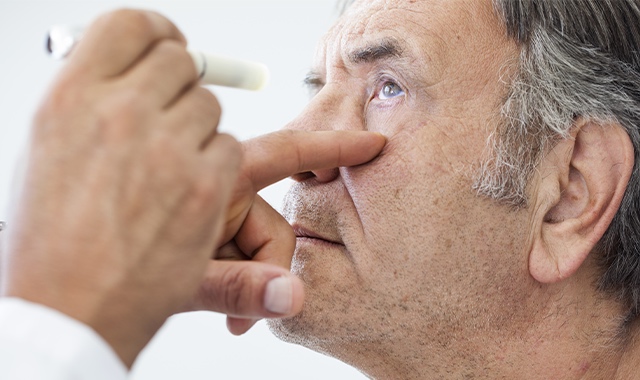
[306, 235]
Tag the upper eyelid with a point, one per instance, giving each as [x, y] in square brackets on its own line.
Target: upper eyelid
[382, 79]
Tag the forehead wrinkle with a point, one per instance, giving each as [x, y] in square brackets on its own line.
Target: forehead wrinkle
[381, 33]
[368, 31]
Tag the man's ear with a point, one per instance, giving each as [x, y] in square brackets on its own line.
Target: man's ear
[580, 185]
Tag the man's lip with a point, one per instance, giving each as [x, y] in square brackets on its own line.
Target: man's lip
[302, 232]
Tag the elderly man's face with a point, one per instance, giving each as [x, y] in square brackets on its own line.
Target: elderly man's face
[402, 249]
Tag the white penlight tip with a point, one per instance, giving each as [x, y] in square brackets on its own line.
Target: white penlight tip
[230, 72]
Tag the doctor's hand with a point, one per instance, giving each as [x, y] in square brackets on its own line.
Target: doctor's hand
[263, 288]
[129, 192]
[126, 185]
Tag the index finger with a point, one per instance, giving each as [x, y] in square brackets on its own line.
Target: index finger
[116, 40]
[276, 156]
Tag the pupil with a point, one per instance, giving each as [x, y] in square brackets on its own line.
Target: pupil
[390, 89]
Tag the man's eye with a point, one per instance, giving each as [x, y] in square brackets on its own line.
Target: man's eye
[390, 90]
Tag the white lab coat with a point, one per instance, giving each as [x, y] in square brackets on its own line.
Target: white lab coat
[40, 343]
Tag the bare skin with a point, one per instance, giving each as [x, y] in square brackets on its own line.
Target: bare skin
[129, 192]
[408, 273]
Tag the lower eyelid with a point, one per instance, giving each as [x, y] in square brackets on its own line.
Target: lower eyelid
[383, 104]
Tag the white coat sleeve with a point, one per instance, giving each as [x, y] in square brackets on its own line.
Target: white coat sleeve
[37, 342]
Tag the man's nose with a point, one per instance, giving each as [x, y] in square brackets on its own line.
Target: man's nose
[328, 110]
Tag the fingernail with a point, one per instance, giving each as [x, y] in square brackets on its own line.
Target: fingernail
[278, 296]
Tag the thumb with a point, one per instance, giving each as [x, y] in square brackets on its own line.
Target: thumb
[249, 290]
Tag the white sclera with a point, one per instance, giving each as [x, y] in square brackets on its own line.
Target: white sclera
[230, 72]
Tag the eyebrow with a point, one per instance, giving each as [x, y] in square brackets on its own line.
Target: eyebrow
[380, 50]
[377, 51]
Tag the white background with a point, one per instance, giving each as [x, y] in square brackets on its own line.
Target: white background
[282, 34]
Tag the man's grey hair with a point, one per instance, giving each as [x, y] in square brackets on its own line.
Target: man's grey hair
[578, 59]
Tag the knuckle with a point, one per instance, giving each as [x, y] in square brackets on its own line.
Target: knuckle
[181, 60]
[240, 290]
[166, 59]
[119, 18]
[232, 145]
[233, 151]
[204, 105]
[200, 108]
[175, 51]
[133, 23]
[209, 100]
[211, 183]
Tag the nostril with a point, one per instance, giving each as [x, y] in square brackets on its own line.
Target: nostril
[301, 177]
[322, 176]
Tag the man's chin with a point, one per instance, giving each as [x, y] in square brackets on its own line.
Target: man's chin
[292, 330]
[312, 328]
